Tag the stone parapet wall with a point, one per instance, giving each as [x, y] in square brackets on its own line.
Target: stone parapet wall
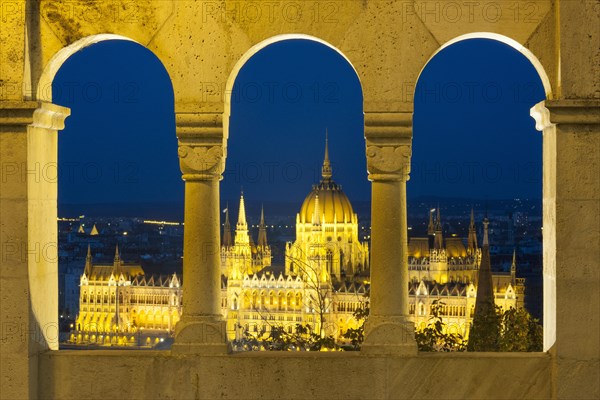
[285, 375]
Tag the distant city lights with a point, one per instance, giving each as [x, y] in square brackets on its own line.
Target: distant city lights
[154, 222]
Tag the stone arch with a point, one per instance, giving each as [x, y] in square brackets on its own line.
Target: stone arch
[255, 50]
[44, 86]
[541, 116]
[503, 39]
[48, 119]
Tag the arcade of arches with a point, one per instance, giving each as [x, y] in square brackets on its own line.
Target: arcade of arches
[203, 45]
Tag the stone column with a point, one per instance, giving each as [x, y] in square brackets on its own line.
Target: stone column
[202, 159]
[388, 329]
[28, 241]
[571, 221]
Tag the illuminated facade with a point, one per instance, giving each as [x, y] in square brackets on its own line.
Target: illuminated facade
[119, 305]
[324, 280]
[444, 269]
[321, 285]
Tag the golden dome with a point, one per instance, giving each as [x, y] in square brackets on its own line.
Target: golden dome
[332, 201]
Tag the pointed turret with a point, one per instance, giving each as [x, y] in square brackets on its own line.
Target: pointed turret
[472, 238]
[326, 171]
[94, 231]
[88, 262]
[262, 230]
[241, 228]
[438, 242]
[431, 226]
[242, 224]
[513, 267]
[484, 330]
[227, 239]
[117, 262]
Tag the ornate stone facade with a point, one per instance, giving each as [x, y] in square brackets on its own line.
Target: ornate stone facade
[120, 306]
[388, 43]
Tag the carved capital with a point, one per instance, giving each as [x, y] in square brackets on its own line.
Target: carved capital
[202, 147]
[388, 162]
[199, 162]
[389, 137]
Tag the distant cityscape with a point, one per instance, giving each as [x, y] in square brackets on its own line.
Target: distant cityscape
[146, 235]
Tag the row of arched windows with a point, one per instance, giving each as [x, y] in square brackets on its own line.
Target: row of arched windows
[271, 301]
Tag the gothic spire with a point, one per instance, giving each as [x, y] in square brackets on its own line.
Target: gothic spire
[241, 229]
[117, 262]
[88, 262]
[326, 171]
[242, 224]
[227, 240]
[513, 266]
[262, 230]
[438, 240]
[430, 227]
[472, 238]
[484, 331]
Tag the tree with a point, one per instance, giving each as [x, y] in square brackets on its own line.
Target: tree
[434, 336]
[277, 339]
[316, 299]
[357, 335]
[507, 330]
[484, 334]
[519, 331]
[318, 285]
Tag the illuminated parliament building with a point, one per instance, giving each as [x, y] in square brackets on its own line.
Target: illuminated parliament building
[324, 280]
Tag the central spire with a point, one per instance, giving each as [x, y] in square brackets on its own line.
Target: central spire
[326, 170]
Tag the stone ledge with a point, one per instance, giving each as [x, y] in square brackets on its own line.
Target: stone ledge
[139, 374]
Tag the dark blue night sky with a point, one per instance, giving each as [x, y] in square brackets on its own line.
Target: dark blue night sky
[473, 136]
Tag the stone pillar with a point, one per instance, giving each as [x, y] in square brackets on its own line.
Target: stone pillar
[202, 159]
[28, 241]
[388, 329]
[571, 130]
